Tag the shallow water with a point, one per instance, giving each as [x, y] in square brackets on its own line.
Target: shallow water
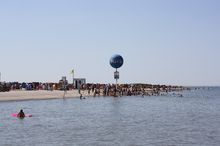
[192, 120]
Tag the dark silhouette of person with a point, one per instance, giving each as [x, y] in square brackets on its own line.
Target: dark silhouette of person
[21, 114]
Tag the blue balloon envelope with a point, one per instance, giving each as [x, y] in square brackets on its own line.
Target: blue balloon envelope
[116, 61]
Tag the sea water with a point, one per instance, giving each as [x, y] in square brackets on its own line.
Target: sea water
[171, 120]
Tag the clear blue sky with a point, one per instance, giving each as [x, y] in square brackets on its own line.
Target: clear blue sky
[162, 41]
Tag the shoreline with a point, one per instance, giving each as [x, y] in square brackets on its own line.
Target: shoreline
[23, 95]
[35, 91]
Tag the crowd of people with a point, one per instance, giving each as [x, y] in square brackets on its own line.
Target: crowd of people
[128, 89]
[96, 89]
[7, 86]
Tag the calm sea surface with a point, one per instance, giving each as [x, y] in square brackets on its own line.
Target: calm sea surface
[192, 120]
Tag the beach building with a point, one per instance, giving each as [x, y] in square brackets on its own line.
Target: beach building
[63, 83]
[77, 82]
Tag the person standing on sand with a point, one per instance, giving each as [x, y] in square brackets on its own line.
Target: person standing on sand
[64, 87]
[65, 91]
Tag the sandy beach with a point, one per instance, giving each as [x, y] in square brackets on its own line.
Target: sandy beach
[38, 94]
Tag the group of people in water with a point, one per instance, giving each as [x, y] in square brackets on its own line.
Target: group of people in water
[122, 90]
[128, 89]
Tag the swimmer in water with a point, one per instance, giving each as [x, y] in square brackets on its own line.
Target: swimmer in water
[21, 114]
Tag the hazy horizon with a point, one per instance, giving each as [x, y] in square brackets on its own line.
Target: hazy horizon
[162, 42]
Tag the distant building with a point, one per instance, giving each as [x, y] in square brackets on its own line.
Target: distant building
[77, 82]
[63, 83]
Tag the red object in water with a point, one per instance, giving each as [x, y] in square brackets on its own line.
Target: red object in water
[15, 115]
